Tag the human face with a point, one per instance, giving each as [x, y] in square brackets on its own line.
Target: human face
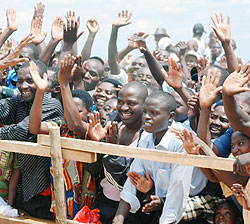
[218, 122]
[182, 109]
[92, 74]
[130, 105]
[156, 118]
[240, 144]
[81, 108]
[144, 76]
[163, 56]
[191, 61]
[216, 49]
[106, 70]
[105, 91]
[224, 215]
[25, 84]
[136, 65]
[213, 37]
[107, 108]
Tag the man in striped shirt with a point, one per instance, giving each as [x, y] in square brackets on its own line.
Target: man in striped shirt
[32, 194]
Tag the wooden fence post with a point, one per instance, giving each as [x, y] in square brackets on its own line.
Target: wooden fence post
[56, 160]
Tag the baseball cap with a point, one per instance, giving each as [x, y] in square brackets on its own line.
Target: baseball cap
[198, 28]
[160, 31]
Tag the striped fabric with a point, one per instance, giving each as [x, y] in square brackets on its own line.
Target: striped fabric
[35, 176]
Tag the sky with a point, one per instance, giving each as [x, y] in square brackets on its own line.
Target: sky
[177, 17]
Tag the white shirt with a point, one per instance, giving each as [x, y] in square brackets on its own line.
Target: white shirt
[201, 45]
[172, 181]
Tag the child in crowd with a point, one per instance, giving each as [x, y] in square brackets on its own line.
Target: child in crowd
[77, 107]
[172, 181]
[227, 213]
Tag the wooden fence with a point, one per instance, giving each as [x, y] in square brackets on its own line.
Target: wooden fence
[59, 148]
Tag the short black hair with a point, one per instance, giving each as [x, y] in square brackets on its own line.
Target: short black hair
[86, 99]
[35, 51]
[97, 58]
[41, 67]
[166, 98]
[224, 73]
[236, 212]
[53, 76]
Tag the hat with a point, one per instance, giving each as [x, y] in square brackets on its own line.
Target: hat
[193, 53]
[198, 28]
[160, 31]
[163, 43]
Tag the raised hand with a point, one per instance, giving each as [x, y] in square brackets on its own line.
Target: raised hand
[112, 136]
[11, 19]
[78, 72]
[182, 48]
[66, 65]
[93, 26]
[193, 106]
[209, 89]
[70, 31]
[127, 59]
[235, 82]
[57, 28]
[122, 19]
[39, 10]
[13, 57]
[41, 83]
[154, 205]
[138, 40]
[202, 64]
[36, 29]
[187, 139]
[142, 184]
[96, 132]
[222, 29]
[174, 76]
[241, 194]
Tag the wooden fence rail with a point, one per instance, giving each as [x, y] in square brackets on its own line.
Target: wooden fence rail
[85, 151]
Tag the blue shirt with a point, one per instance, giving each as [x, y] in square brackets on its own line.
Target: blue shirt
[223, 143]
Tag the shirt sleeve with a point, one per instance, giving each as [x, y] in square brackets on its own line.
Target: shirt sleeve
[223, 143]
[177, 194]
[8, 109]
[20, 131]
[128, 194]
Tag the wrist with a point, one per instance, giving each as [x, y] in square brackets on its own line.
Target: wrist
[9, 30]
[92, 34]
[55, 40]
[115, 27]
[205, 108]
[118, 219]
[63, 86]
[226, 44]
[40, 91]
[67, 46]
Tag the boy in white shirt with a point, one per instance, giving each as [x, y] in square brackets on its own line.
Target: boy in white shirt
[172, 181]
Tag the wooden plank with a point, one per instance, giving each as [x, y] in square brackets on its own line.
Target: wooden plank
[147, 154]
[29, 220]
[38, 150]
[56, 161]
[24, 219]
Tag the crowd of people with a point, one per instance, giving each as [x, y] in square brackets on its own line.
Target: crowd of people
[191, 97]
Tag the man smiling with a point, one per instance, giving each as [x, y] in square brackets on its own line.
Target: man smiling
[34, 170]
